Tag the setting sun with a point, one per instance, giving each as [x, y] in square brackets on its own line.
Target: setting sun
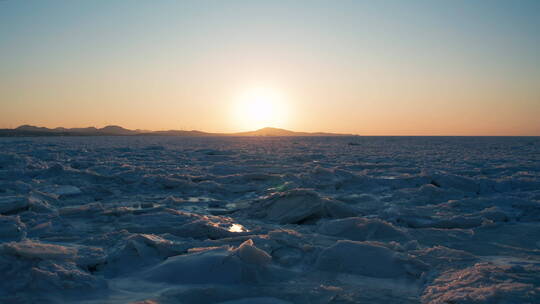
[258, 108]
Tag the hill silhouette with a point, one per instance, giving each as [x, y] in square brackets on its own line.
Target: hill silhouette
[268, 131]
[113, 130]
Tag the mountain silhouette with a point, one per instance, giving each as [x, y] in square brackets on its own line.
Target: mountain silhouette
[113, 130]
[268, 131]
[117, 130]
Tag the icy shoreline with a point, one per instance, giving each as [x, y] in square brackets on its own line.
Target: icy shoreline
[270, 220]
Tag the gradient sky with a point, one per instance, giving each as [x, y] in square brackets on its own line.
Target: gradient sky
[431, 67]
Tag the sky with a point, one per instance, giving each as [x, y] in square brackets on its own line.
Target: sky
[463, 67]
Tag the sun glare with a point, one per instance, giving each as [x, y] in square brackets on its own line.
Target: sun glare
[258, 108]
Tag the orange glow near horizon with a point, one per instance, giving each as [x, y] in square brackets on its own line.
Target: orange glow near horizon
[360, 67]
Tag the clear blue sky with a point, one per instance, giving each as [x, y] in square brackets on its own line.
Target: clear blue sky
[370, 67]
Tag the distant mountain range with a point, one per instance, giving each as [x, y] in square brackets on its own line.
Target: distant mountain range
[28, 130]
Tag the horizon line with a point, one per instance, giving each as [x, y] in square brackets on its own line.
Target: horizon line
[239, 133]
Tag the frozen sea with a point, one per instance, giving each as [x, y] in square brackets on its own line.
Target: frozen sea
[270, 220]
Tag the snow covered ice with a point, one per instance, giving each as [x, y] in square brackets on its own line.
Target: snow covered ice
[270, 220]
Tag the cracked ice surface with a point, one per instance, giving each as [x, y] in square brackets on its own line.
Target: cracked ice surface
[270, 220]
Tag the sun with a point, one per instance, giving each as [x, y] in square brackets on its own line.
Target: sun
[258, 108]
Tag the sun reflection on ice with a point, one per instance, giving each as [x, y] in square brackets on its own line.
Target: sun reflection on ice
[237, 228]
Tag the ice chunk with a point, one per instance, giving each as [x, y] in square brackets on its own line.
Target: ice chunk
[221, 265]
[252, 255]
[211, 266]
[141, 249]
[362, 229]
[457, 182]
[34, 250]
[366, 258]
[11, 228]
[299, 206]
[453, 222]
[288, 247]
[443, 257]
[45, 281]
[154, 220]
[87, 210]
[430, 193]
[486, 283]
[59, 277]
[61, 191]
[39, 204]
[202, 229]
[459, 221]
[495, 214]
[13, 204]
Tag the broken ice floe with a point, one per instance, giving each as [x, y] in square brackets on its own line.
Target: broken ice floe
[266, 220]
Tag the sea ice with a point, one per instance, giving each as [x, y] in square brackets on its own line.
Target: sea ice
[167, 220]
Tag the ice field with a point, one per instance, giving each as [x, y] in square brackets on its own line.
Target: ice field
[270, 220]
